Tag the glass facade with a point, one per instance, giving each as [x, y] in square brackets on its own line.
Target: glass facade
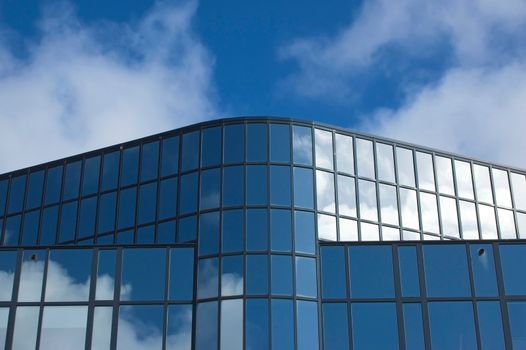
[263, 233]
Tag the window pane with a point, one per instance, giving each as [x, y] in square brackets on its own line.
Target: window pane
[428, 203]
[406, 170]
[388, 204]
[26, 327]
[348, 230]
[233, 186]
[88, 208]
[68, 275]
[206, 326]
[232, 275]
[281, 274]
[409, 209]
[488, 225]
[181, 273]
[234, 143]
[72, 180]
[187, 229]
[333, 272]
[374, 326]
[280, 185]
[63, 327]
[256, 324]
[30, 233]
[365, 158]
[306, 277]
[281, 230]
[280, 143]
[147, 203]
[101, 338]
[369, 232]
[16, 195]
[323, 149]
[210, 189]
[446, 271]
[521, 223]
[49, 225]
[482, 183]
[327, 227]
[257, 185]
[390, 234]
[127, 207]
[188, 194]
[452, 325]
[335, 326]
[409, 271]
[150, 161]
[105, 275]
[139, 265]
[233, 231]
[168, 199]
[190, 153]
[490, 325]
[303, 188]
[371, 272]
[256, 275]
[130, 166]
[256, 142]
[368, 206]
[448, 209]
[502, 187]
[211, 147]
[519, 190]
[346, 196]
[302, 140]
[34, 193]
[231, 324]
[31, 275]
[7, 273]
[257, 229]
[517, 314]
[506, 224]
[107, 212]
[344, 154]
[3, 196]
[140, 326]
[170, 154]
[282, 324]
[207, 278]
[384, 159]
[445, 175]
[68, 221]
[468, 217]
[307, 324]
[304, 228]
[426, 178]
[414, 333]
[513, 260]
[463, 176]
[179, 328]
[12, 230]
[53, 184]
[209, 233]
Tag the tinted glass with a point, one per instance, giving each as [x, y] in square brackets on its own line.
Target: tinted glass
[72, 180]
[4, 317]
[68, 275]
[181, 274]
[257, 229]
[327, 227]
[16, 194]
[281, 274]
[90, 180]
[281, 230]
[234, 144]
[371, 272]
[130, 166]
[233, 186]
[365, 158]
[207, 278]
[282, 324]
[209, 233]
[256, 142]
[302, 145]
[232, 275]
[304, 228]
[346, 196]
[483, 270]
[12, 230]
[452, 325]
[414, 333]
[517, 315]
[280, 185]
[210, 189]
[88, 209]
[233, 231]
[166, 232]
[127, 207]
[306, 277]
[190, 153]
[303, 188]
[68, 222]
[324, 149]
[408, 271]
[168, 198]
[140, 265]
[257, 185]
[3, 196]
[147, 202]
[206, 326]
[513, 260]
[53, 184]
[188, 194]
[7, 269]
[110, 171]
[140, 324]
[256, 275]
[335, 326]
[107, 212]
[256, 324]
[446, 271]
[385, 162]
[231, 324]
[49, 225]
[325, 191]
[187, 229]
[374, 326]
[30, 233]
[307, 324]
[333, 272]
[280, 143]
[406, 170]
[150, 161]
[34, 192]
[179, 328]
[146, 234]
[490, 325]
[211, 147]
[170, 156]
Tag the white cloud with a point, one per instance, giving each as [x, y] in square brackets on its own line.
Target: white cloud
[86, 86]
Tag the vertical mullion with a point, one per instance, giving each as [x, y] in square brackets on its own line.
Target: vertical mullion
[423, 294]
[116, 298]
[91, 302]
[502, 297]
[377, 191]
[473, 296]
[42, 298]
[457, 199]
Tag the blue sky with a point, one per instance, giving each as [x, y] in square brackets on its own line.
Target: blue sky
[82, 74]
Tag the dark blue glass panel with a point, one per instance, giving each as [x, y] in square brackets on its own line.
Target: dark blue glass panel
[125, 237]
[211, 147]
[282, 324]
[452, 325]
[333, 272]
[147, 202]
[232, 275]
[53, 185]
[446, 271]
[68, 268]
[257, 193]
[90, 180]
[208, 278]
[281, 230]
[168, 198]
[233, 186]
[88, 210]
[304, 227]
[146, 234]
[72, 180]
[190, 154]
[48, 229]
[256, 142]
[181, 274]
[34, 193]
[517, 315]
[281, 274]
[374, 326]
[408, 271]
[206, 326]
[256, 276]
[150, 161]
[143, 271]
[371, 270]
[257, 229]
[303, 188]
[483, 267]
[233, 231]
[16, 194]
[490, 325]
[210, 189]
[179, 327]
[127, 207]
[7, 268]
[234, 143]
[187, 229]
[413, 330]
[302, 145]
[306, 277]
[256, 324]
[280, 185]
[68, 222]
[335, 326]
[12, 230]
[307, 325]
[3, 196]
[110, 171]
[29, 237]
[280, 143]
[106, 239]
[166, 232]
[513, 260]
[188, 194]
[146, 323]
[107, 212]
[130, 166]
[170, 156]
[209, 233]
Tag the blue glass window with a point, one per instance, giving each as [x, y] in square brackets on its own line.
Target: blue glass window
[335, 326]
[234, 143]
[49, 225]
[413, 330]
[147, 202]
[446, 271]
[256, 142]
[69, 265]
[333, 272]
[68, 222]
[280, 143]
[374, 326]
[187, 229]
[256, 326]
[257, 185]
[303, 188]
[29, 237]
[371, 271]
[302, 145]
[190, 153]
[181, 274]
[490, 325]
[513, 260]
[233, 231]
[140, 265]
[188, 194]
[282, 324]
[517, 315]
[211, 147]
[280, 185]
[452, 325]
[304, 228]
[7, 267]
[16, 195]
[483, 270]
[233, 186]
[72, 180]
[232, 275]
[408, 271]
[281, 230]
[179, 327]
[206, 326]
[168, 199]
[307, 325]
[207, 278]
[3, 196]
[127, 207]
[166, 232]
[34, 193]
[90, 180]
[88, 210]
[130, 166]
[110, 171]
[257, 229]
[256, 276]
[107, 212]
[209, 233]
[306, 277]
[210, 189]
[150, 161]
[146, 234]
[145, 320]
[12, 230]
[106, 263]
[170, 156]
[31, 275]
[281, 274]
[53, 184]
[231, 324]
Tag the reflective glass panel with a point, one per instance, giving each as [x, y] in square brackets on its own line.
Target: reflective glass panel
[325, 191]
[324, 153]
[127, 199]
[26, 327]
[49, 225]
[233, 186]
[374, 326]
[170, 156]
[256, 324]
[256, 275]
[3, 195]
[346, 196]
[188, 194]
[490, 325]
[348, 230]
[428, 203]
[190, 152]
[281, 274]
[31, 275]
[304, 232]
[130, 166]
[502, 187]
[488, 225]
[181, 273]
[256, 142]
[448, 210]
[107, 212]
[519, 190]
[179, 328]
[68, 222]
[405, 167]
[210, 189]
[513, 260]
[138, 266]
[390, 234]
[63, 327]
[149, 161]
[364, 157]
[231, 324]
[482, 183]
[371, 272]
[105, 275]
[280, 185]
[303, 188]
[145, 234]
[233, 231]
[344, 154]
[468, 217]
[140, 326]
[521, 224]
[280, 143]
[4, 317]
[88, 208]
[68, 275]
[16, 194]
[333, 272]
[206, 326]
[506, 224]
[30, 232]
[409, 271]
[282, 324]
[257, 229]
[446, 271]
[409, 209]
[413, 330]
[7, 273]
[147, 203]
[517, 315]
[209, 233]
[187, 229]
[445, 175]
[385, 162]
[327, 227]
[168, 199]
[369, 232]
[211, 147]
[257, 192]
[306, 277]
[452, 325]
[368, 205]
[307, 325]
[101, 336]
[388, 204]
[53, 184]
[234, 143]
[281, 230]
[302, 145]
[207, 278]
[232, 275]
[426, 178]
[12, 230]
[72, 180]
[34, 192]
[464, 182]
[335, 326]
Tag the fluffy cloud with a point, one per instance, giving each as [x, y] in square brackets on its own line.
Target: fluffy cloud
[85, 86]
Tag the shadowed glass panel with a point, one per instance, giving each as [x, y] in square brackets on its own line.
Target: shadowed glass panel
[234, 143]
[209, 233]
[374, 326]
[323, 145]
[107, 212]
[130, 166]
[303, 188]
[63, 327]
[482, 183]
[344, 154]
[7, 273]
[233, 186]
[333, 272]
[426, 177]
[513, 260]
[231, 324]
[190, 152]
[346, 196]
[53, 184]
[256, 142]
[207, 278]
[405, 167]
[256, 324]
[502, 187]
[307, 325]
[464, 182]
[409, 208]
[304, 232]
[257, 192]
[170, 156]
[519, 190]
[206, 326]
[365, 158]
[368, 205]
[72, 180]
[302, 145]
[388, 204]
[281, 230]
[181, 274]
[445, 175]
[138, 266]
[256, 274]
[150, 161]
[446, 271]
[468, 217]
[34, 191]
[385, 162]
[188, 194]
[281, 274]
[127, 199]
[413, 330]
[168, 199]
[211, 147]
[30, 231]
[280, 185]
[409, 280]
[26, 327]
[232, 275]
[517, 315]
[371, 272]
[68, 222]
[140, 326]
[448, 211]
[452, 325]
[428, 204]
[210, 189]
[179, 328]
[335, 326]
[257, 229]
[490, 325]
[88, 211]
[280, 143]
[233, 231]
[16, 194]
[282, 324]
[488, 226]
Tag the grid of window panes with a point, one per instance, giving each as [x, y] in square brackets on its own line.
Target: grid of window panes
[424, 296]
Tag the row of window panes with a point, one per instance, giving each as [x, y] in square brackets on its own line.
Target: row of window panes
[371, 273]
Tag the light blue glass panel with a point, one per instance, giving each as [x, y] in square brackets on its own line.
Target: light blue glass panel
[280, 185]
[106, 267]
[7, 271]
[147, 203]
[90, 180]
[232, 275]
[257, 274]
[26, 327]
[88, 211]
[374, 326]
[446, 271]
[127, 199]
[150, 161]
[257, 193]
[452, 325]
[303, 188]
[233, 231]
[188, 194]
[234, 144]
[168, 198]
[206, 326]
[307, 325]
[306, 277]
[12, 230]
[233, 186]
[68, 275]
[304, 232]
[333, 272]
[490, 325]
[130, 166]
[3, 196]
[210, 189]
[413, 330]
[181, 274]
[110, 171]
[29, 236]
[281, 230]
[335, 326]
[281, 274]
[63, 327]
[231, 324]
[483, 270]
[302, 145]
[16, 194]
[513, 260]
[107, 204]
[408, 271]
[517, 315]
[179, 328]
[187, 229]
[282, 324]
[371, 272]
[48, 230]
[53, 184]
[207, 278]
[31, 275]
[256, 324]
[209, 233]
[68, 222]
[257, 229]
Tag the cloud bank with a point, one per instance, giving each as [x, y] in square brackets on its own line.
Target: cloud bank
[85, 86]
